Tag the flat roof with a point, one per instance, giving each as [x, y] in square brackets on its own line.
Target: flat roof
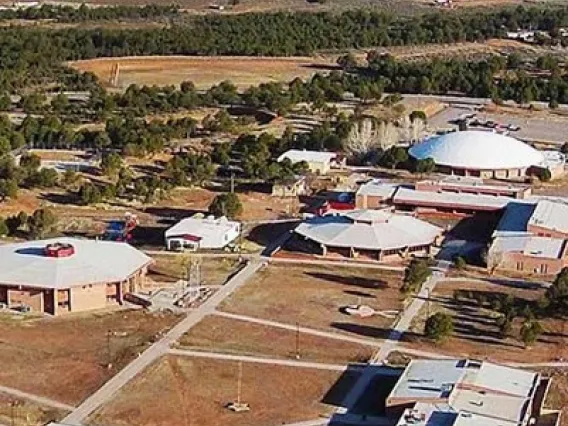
[550, 215]
[449, 199]
[387, 232]
[429, 379]
[297, 155]
[474, 182]
[378, 188]
[529, 245]
[201, 226]
[464, 393]
[25, 264]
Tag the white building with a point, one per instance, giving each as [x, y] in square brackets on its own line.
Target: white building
[482, 154]
[200, 232]
[373, 234]
[466, 393]
[318, 162]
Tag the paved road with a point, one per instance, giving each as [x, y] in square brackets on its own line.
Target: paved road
[406, 318]
[260, 360]
[35, 398]
[161, 347]
[305, 330]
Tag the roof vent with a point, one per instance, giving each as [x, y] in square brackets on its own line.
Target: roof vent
[59, 250]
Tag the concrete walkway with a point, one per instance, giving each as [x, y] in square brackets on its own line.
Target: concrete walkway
[260, 360]
[47, 402]
[405, 320]
[305, 330]
[161, 347]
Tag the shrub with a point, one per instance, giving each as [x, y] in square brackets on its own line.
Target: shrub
[439, 327]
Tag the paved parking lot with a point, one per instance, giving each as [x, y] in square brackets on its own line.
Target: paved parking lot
[539, 128]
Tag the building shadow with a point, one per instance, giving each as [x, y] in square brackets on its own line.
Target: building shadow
[356, 281]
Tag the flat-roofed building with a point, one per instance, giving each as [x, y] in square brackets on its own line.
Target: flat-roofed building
[374, 234]
[466, 393]
[68, 274]
[531, 238]
[318, 162]
[201, 232]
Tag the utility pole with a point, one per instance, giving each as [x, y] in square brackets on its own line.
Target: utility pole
[239, 383]
[297, 340]
[109, 351]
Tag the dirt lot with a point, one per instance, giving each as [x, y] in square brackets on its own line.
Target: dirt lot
[172, 267]
[203, 71]
[16, 412]
[476, 333]
[313, 296]
[70, 354]
[194, 391]
[226, 335]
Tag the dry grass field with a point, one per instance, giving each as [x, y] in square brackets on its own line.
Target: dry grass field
[476, 333]
[204, 72]
[314, 296]
[173, 267]
[219, 334]
[16, 412]
[184, 391]
[66, 358]
[558, 395]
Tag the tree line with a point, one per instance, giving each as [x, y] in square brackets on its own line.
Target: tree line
[31, 55]
[84, 13]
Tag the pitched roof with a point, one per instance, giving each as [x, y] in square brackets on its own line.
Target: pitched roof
[369, 230]
[92, 262]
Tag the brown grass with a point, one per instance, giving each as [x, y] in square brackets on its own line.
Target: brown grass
[17, 412]
[183, 391]
[65, 358]
[203, 71]
[313, 296]
[476, 333]
[226, 335]
[171, 268]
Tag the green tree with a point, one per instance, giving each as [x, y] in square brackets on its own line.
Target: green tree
[5, 102]
[415, 275]
[556, 296]
[530, 331]
[3, 228]
[394, 156]
[439, 327]
[41, 223]
[460, 263]
[227, 205]
[111, 163]
[8, 189]
[426, 165]
[348, 62]
[418, 115]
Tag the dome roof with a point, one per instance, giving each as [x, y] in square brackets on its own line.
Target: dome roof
[477, 150]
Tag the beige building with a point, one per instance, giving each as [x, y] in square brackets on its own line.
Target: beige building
[64, 275]
[318, 162]
[531, 238]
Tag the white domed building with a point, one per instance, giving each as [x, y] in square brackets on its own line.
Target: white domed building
[484, 154]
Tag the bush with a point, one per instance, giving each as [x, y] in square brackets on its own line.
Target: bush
[439, 327]
[415, 275]
[530, 332]
[227, 205]
[42, 222]
[3, 228]
[418, 114]
[460, 263]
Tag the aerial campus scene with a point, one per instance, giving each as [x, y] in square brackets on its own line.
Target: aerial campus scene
[284, 212]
